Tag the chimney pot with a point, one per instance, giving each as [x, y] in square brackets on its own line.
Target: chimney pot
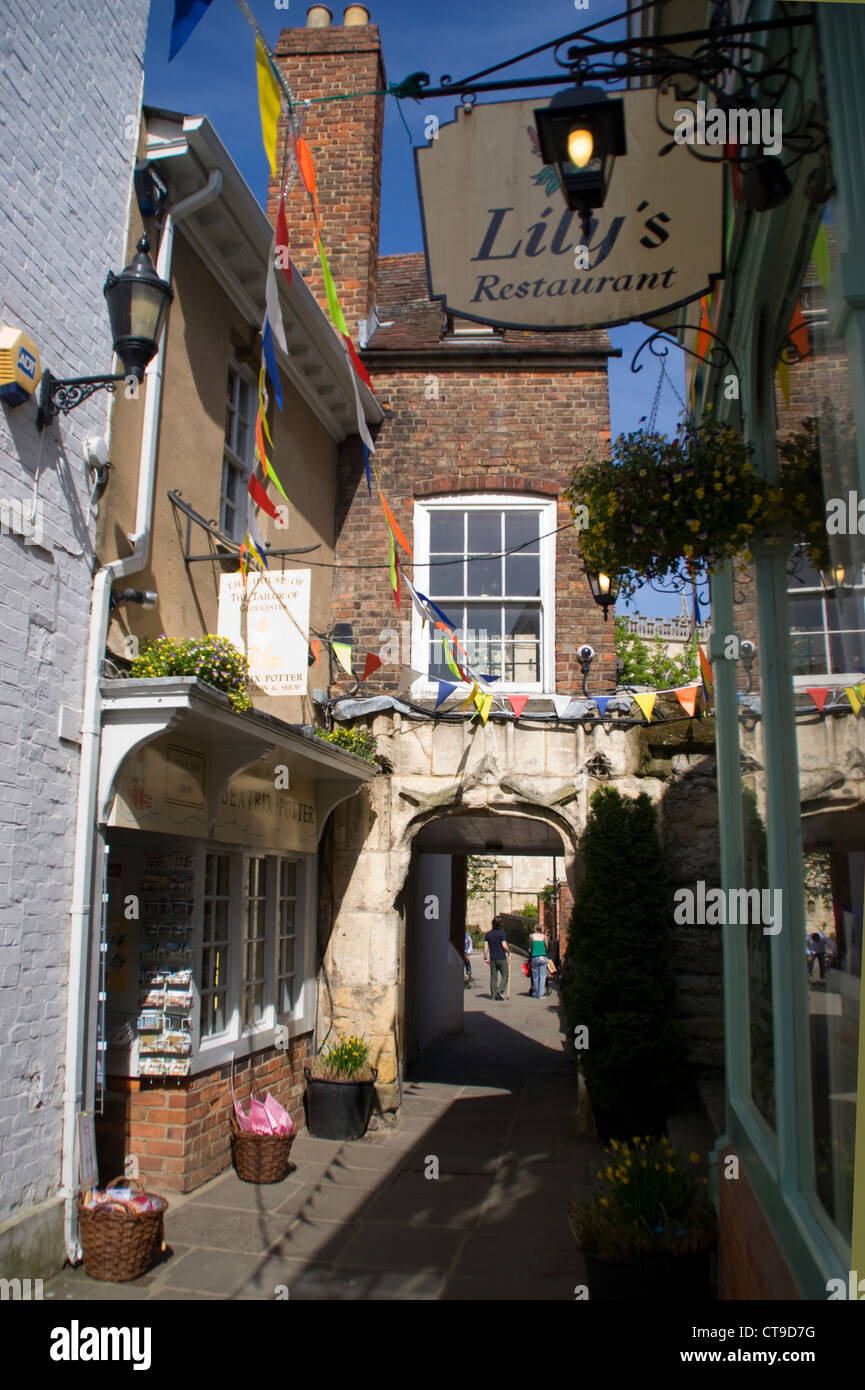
[356, 15]
[318, 17]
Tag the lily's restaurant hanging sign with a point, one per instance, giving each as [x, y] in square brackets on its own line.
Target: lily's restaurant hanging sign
[503, 247]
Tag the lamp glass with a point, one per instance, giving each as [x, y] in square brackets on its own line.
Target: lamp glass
[581, 146]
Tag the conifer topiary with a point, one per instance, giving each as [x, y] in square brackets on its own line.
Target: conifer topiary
[619, 979]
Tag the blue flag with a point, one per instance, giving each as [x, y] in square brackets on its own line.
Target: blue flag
[602, 701]
[187, 13]
[445, 689]
[366, 466]
[270, 360]
[435, 608]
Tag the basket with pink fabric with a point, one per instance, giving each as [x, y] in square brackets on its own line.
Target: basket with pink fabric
[261, 1139]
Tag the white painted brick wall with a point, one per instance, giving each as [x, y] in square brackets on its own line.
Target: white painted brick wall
[71, 78]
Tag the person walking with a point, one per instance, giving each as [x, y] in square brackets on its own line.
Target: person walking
[538, 962]
[496, 952]
[467, 951]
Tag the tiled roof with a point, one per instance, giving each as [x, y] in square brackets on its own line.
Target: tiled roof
[410, 321]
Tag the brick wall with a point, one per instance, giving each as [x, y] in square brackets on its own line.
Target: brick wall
[180, 1133]
[561, 918]
[345, 140]
[69, 103]
[751, 1266]
[492, 430]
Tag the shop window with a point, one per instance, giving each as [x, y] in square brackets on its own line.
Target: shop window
[286, 926]
[237, 453]
[489, 564]
[215, 944]
[255, 915]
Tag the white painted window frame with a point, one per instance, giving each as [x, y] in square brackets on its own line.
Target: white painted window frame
[230, 458]
[424, 688]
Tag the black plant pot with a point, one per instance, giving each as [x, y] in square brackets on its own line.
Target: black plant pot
[650, 1278]
[338, 1109]
[630, 1116]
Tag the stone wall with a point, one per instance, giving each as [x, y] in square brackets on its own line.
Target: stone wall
[69, 105]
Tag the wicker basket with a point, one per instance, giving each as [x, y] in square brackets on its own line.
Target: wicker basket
[261, 1158]
[120, 1244]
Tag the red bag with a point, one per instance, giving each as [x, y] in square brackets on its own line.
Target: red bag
[526, 970]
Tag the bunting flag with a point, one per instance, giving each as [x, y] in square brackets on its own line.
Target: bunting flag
[407, 678]
[561, 703]
[855, 698]
[518, 704]
[394, 569]
[268, 101]
[783, 372]
[706, 669]
[435, 608]
[371, 665]
[283, 259]
[392, 522]
[702, 344]
[260, 427]
[602, 701]
[452, 666]
[303, 155]
[799, 330]
[270, 359]
[818, 694]
[271, 300]
[187, 14]
[820, 256]
[260, 497]
[362, 427]
[337, 317]
[254, 538]
[646, 701]
[471, 695]
[366, 466]
[445, 689]
[688, 699]
[484, 705]
[342, 652]
[315, 648]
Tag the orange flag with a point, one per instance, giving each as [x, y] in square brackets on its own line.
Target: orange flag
[307, 173]
[315, 646]
[688, 699]
[518, 703]
[799, 330]
[395, 528]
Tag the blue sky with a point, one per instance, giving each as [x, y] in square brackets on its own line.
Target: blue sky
[214, 74]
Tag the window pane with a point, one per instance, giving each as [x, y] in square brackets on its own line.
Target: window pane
[446, 531]
[484, 577]
[521, 527]
[847, 651]
[808, 654]
[523, 575]
[806, 614]
[287, 878]
[286, 957]
[286, 917]
[222, 868]
[484, 532]
[286, 995]
[482, 639]
[446, 579]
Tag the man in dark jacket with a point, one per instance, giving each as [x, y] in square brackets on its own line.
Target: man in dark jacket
[496, 951]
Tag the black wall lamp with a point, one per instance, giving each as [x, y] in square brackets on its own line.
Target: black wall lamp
[605, 589]
[137, 302]
[581, 132]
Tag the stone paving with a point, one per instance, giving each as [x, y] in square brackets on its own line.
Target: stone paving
[497, 1108]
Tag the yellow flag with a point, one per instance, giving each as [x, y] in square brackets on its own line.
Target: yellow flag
[268, 101]
[784, 380]
[472, 693]
[853, 697]
[646, 701]
[484, 704]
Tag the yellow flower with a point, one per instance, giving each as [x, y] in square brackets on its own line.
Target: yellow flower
[605, 1202]
[670, 1168]
[700, 493]
[695, 1158]
[657, 1167]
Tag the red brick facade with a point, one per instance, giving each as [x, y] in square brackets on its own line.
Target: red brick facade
[329, 62]
[180, 1133]
[512, 414]
[751, 1266]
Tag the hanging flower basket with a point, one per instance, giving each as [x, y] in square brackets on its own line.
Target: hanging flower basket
[667, 509]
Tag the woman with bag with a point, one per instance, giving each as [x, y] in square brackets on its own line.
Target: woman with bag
[538, 962]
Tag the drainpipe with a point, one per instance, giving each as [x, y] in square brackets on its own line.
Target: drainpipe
[79, 1039]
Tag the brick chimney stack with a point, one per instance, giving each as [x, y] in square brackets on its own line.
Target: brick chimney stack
[326, 60]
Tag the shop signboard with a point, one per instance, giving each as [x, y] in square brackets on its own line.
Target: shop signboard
[268, 619]
[502, 246]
